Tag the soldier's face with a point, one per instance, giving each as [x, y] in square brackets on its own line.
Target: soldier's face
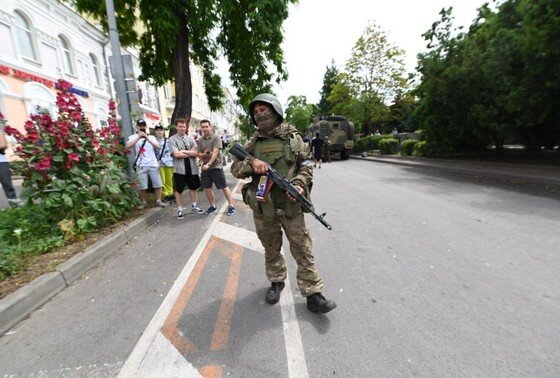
[260, 109]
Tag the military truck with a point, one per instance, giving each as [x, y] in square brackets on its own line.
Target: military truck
[338, 130]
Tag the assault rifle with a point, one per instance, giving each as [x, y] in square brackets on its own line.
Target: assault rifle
[283, 183]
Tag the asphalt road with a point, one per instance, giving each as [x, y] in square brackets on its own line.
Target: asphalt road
[434, 274]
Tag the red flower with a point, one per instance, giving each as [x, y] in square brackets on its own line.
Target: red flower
[64, 85]
[12, 131]
[73, 156]
[44, 164]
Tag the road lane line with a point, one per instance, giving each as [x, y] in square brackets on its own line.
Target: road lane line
[297, 365]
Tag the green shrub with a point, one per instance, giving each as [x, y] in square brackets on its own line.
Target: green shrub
[26, 231]
[427, 149]
[407, 147]
[73, 179]
[388, 146]
[368, 143]
[17, 167]
[75, 171]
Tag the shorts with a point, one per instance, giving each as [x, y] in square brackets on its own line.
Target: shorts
[191, 181]
[154, 175]
[318, 155]
[216, 176]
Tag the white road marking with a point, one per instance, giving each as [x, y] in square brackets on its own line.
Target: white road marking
[155, 356]
[297, 365]
[245, 238]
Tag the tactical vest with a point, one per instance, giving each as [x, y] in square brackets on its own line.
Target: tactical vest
[281, 155]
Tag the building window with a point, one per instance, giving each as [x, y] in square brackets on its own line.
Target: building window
[95, 69]
[66, 55]
[24, 37]
[39, 99]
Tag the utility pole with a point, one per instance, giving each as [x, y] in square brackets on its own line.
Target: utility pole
[118, 75]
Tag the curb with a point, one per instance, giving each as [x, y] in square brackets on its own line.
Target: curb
[501, 171]
[25, 300]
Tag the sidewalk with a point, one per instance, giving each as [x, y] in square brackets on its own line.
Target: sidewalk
[4, 204]
[537, 174]
[25, 300]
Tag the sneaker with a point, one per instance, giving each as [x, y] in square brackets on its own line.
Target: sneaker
[196, 210]
[318, 304]
[159, 203]
[211, 209]
[273, 293]
[170, 198]
[15, 202]
[230, 210]
[180, 214]
[142, 206]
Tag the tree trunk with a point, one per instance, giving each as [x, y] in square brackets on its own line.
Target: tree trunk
[182, 74]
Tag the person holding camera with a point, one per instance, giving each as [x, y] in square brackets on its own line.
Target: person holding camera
[147, 165]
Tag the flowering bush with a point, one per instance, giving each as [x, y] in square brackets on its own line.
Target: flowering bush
[73, 170]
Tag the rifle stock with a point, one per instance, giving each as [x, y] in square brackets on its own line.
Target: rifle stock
[240, 153]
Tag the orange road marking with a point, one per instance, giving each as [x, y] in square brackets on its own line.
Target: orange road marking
[223, 321]
[169, 329]
[222, 327]
[211, 371]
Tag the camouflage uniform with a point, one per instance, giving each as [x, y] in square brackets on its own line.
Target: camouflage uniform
[284, 149]
[327, 150]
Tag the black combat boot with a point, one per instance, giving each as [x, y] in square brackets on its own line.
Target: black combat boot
[318, 304]
[273, 294]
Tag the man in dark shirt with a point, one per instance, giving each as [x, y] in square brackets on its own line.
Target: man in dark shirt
[317, 149]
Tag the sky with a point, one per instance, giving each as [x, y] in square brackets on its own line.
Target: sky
[318, 31]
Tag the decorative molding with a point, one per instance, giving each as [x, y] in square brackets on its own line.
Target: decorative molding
[44, 37]
[7, 18]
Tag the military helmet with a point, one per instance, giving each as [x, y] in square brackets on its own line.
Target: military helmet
[269, 99]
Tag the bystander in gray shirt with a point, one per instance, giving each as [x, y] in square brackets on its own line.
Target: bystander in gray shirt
[178, 143]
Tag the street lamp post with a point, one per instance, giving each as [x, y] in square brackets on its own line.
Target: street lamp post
[118, 75]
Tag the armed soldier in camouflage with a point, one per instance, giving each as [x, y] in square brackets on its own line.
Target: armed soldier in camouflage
[279, 144]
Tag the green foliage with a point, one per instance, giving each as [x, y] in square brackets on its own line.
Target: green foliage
[247, 33]
[497, 82]
[407, 146]
[26, 231]
[74, 180]
[246, 126]
[388, 146]
[373, 76]
[329, 80]
[299, 113]
[368, 143]
[426, 149]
